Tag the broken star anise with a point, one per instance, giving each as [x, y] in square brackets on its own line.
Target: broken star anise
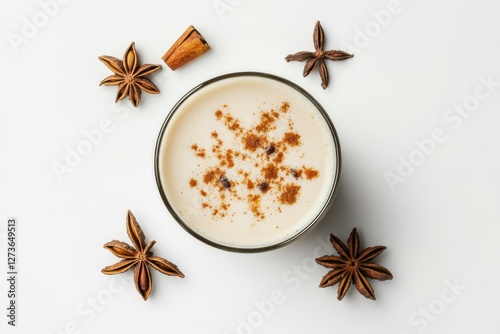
[352, 265]
[318, 57]
[139, 257]
[129, 76]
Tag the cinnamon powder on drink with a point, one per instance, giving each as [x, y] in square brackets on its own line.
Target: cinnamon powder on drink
[271, 183]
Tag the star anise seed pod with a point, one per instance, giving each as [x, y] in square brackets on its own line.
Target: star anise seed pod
[129, 77]
[352, 265]
[317, 58]
[139, 257]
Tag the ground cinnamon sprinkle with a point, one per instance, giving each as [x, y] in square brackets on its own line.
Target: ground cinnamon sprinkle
[252, 142]
[279, 158]
[284, 107]
[292, 139]
[254, 201]
[289, 194]
[271, 181]
[231, 123]
[229, 158]
[211, 175]
[266, 122]
[193, 183]
[311, 173]
[270, 172]
[200, 152]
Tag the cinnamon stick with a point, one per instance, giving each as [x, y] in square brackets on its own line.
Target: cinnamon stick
[189, 46]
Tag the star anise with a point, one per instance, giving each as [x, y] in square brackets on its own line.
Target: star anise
[129, 76]
[139, 257]
[318, 57]
[352, 265]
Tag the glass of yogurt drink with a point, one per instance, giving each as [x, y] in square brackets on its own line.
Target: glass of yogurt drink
[247, 162]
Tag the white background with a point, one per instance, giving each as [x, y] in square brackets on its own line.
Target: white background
[414, 62]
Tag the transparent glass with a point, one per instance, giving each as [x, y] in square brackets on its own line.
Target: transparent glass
[307, 227]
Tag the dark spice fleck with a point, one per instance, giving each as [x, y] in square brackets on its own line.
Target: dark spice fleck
[263, 186]
[225, 182]
[295, 173]
[271, 149]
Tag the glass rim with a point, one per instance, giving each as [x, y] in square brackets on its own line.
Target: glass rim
[318, 217]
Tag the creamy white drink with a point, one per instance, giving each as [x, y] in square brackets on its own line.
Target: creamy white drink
[247, 162]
